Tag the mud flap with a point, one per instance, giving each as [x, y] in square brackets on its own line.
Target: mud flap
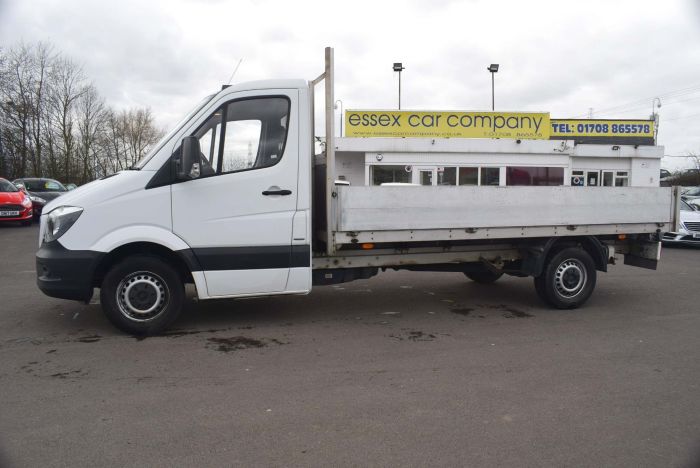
[644, 254]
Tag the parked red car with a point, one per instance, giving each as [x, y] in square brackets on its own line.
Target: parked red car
[15, 205]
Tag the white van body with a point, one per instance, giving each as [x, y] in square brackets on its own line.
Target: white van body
[239, 222]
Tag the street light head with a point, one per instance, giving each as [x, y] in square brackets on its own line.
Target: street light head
[493, 68]
[398, 66]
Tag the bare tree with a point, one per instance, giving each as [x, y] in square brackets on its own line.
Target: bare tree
[141, 133]
[695, 175]
[16, 98]
[92, 116]
[42, 58]
[69, 85]
[54, 123]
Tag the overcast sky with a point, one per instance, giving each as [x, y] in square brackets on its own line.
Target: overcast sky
[557, 56]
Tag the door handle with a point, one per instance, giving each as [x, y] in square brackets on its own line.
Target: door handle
[277, 192]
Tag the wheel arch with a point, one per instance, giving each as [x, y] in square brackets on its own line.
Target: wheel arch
[535, 255]
[183, 261]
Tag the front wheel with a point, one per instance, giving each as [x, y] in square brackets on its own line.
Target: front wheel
[142, 295]
[568, 279]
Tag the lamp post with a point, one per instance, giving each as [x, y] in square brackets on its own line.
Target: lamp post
[655, 115]
[493, 68]
[335, 106]
[398, 67]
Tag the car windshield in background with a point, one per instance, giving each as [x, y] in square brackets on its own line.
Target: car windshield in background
[693, 192]
[686, 207]
[7, 186]
[44, 185]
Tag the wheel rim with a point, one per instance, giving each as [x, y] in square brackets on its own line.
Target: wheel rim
[142, 296]
[570, 278]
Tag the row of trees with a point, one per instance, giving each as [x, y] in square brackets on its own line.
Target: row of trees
[54, 123]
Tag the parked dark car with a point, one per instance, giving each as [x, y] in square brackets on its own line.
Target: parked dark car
[40, 191]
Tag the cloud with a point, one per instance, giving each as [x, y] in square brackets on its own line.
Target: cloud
[554, 56]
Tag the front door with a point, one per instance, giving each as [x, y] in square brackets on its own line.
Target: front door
[608, 178]
[426, 176]
[238, 215]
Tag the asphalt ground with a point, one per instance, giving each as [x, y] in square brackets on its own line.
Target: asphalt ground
[405, 369]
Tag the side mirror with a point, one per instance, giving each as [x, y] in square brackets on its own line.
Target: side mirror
[21, 187]
[189, 163]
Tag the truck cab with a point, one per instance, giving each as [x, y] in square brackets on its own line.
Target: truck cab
[236, 221]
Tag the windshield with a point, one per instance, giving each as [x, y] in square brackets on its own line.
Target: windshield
[43, 185]
[693, 192]
[7, 186]
[686, 207]
[139, 165]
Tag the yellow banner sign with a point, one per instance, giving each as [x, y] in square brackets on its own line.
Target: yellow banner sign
[568, 128]
[428, 124]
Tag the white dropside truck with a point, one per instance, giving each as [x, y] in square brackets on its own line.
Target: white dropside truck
[234, 200]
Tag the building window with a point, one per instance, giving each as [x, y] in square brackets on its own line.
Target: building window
[605, 178]
[577, 179]
[540, 176]
[490, 176]
[447, 176]
[608, 178]
[387, 174]
[468, 176]
[621, 179]
[479, 176]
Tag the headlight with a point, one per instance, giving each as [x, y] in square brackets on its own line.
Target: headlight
[60, 220]
[26, 202]
[36, 199]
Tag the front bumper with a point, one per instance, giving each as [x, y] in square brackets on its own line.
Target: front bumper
[66, 274]
[24, 215]
[681, 237]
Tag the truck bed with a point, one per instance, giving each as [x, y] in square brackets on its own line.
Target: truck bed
[444, 213]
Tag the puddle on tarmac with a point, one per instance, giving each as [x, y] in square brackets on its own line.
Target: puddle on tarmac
[236, 343]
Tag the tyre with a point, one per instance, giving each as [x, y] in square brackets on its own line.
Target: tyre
[142, 295]
[568, 279]
[483, 276]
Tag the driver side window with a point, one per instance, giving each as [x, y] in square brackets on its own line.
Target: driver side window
[253, 132]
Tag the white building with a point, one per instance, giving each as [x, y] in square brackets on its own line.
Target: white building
[464, 161]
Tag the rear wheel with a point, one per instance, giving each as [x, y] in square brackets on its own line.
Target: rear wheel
[483, 276]
[568, 279]
[142, 295]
